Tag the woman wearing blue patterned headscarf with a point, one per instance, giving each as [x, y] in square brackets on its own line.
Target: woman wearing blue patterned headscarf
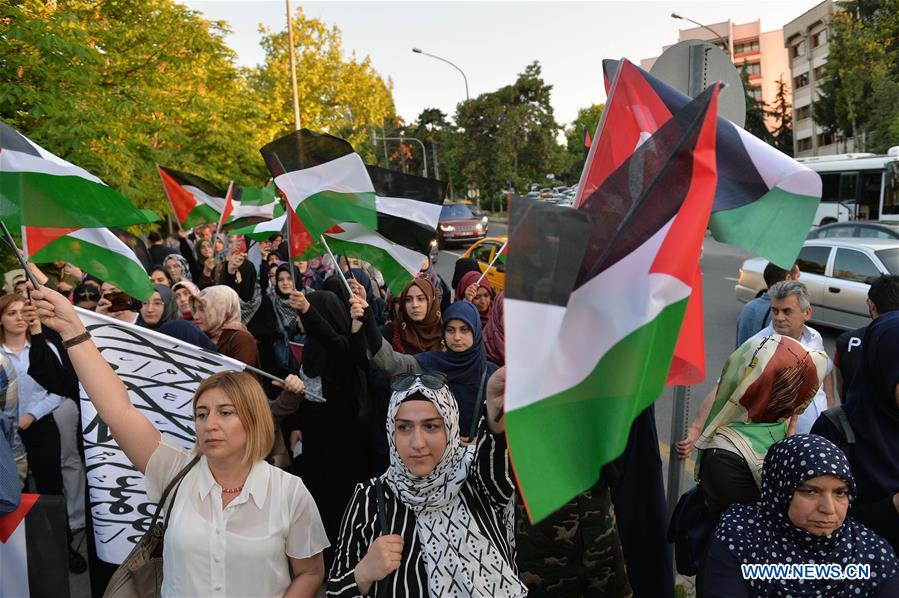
[807, 488]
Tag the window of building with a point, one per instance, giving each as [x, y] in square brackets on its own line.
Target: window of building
[754, 69]
[798, 50]
[825, 139]
[756, 93]
[803, 112]
[751, 46]
[804, 145]
[800, 81]
[819, 38]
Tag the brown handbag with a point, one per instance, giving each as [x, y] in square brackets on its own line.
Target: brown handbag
[140, 574]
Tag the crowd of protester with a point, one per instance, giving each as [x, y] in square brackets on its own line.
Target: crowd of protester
[391, 477]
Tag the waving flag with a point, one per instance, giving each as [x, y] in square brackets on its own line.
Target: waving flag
[608, 351]
[765, 201]
[41, 189]
[96, 251]
[194, 200]
[324, 180]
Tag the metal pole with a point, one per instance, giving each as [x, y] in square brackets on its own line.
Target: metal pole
[293, 69]
[434, 152]
[403, 139]
[718, 36]
[402, 152]
[464, 78]
[678, 431]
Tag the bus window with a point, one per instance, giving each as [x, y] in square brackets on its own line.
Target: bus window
[891, 189]
[849, 186]
[830, 186]
[869, 202]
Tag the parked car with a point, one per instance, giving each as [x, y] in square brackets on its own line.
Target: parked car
[458, 224]
[855, 228]
[835, 271]
[484, 251]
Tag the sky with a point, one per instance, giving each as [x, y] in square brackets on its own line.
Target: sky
[492, 42]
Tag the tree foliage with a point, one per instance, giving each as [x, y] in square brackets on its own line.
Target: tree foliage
[783, 115]
[587, 118]
[858, 96]
[755, 110]
[117, 86]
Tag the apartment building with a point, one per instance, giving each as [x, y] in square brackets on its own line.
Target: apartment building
[763, 52]
[806, 39]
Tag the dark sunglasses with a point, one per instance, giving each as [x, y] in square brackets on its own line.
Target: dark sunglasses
[432, 380]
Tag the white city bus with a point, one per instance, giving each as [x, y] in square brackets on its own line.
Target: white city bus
[857, 186]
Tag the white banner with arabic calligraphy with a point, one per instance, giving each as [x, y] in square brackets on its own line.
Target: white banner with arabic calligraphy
[161, 374]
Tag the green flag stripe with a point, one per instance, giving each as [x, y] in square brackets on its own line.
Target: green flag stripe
[101, 262]
[320, 211]
[395, 276]
[755, 228]
[64, 202]
[559, 444]
[201, 214]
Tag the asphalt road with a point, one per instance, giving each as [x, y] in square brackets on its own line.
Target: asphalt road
[720, 266]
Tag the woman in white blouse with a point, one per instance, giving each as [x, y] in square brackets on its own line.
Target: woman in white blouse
[239, 526]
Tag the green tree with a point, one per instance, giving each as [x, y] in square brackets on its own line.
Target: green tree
[858, 96]
[508, 134]
[574, 140]
[755, 109]
[783, 115]
[117, 86]
[342, 96]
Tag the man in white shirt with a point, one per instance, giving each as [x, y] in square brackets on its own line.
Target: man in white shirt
[790, 309]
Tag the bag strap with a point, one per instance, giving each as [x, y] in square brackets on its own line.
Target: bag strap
[382, 508]
[837, 416]
[175, 483]
[478, 402]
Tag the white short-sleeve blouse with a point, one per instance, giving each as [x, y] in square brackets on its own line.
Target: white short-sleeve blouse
[240, 550]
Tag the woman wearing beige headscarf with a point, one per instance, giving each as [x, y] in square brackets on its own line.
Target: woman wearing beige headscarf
[216, 311]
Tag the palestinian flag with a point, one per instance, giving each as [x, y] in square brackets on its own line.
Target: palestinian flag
[263, 230]
[39, 188]
[33, 556]
[96, 251]
[765, 201]
[587, 141]
[604, 357]
[408, 207]
[252, 205]
[194, 200]
[324, 180]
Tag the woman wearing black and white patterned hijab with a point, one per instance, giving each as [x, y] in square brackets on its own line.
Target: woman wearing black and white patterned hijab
[445, 506]
[807, 488]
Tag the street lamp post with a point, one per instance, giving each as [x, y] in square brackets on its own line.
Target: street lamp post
[718, 36]
[420, 51]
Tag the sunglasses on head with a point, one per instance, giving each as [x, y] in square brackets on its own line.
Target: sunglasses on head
[432, 380]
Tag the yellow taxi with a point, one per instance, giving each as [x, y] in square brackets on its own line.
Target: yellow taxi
[484, 251]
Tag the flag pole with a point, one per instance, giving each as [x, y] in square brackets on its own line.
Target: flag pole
[336, 263]
[265, 374]
[7, 236]
[493, 261]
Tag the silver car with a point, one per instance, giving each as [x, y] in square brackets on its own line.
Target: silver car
[835, 271]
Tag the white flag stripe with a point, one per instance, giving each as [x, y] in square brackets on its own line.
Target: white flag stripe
[410, 260]
[216, 203]
[161, 374]
[346, 174]
[599, 315]
[422, 212]
[778, 170]
[47, 163]
[103, 237]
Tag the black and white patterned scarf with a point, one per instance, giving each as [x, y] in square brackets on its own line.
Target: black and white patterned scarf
[460, 560]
